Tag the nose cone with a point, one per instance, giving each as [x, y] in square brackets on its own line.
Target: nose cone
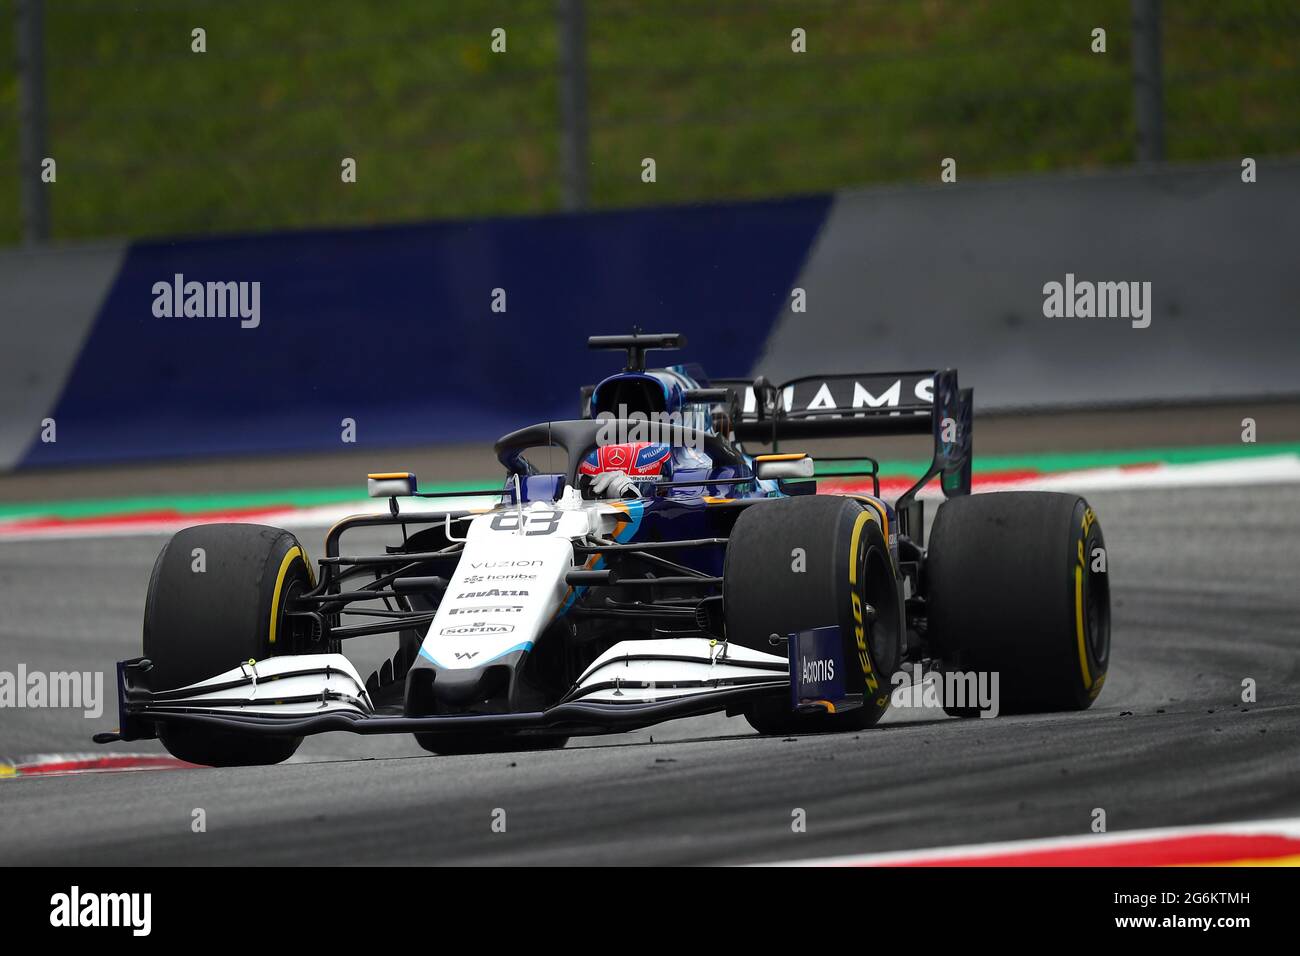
[460, 689]
[431, 689]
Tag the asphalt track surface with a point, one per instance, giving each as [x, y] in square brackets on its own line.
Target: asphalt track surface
[1205, 592]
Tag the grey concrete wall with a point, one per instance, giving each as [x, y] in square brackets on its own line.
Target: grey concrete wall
[953, 275]
[48, 301]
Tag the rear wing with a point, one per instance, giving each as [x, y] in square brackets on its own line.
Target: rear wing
[879, 403]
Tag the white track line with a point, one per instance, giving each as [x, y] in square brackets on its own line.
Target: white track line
[1285, 828]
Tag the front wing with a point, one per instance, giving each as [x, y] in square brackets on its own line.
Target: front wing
[634, 684]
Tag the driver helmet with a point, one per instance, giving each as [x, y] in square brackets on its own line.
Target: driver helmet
[644, 462]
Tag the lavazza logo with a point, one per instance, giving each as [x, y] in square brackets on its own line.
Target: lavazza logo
[208, 300]
[77, 909]
[491, 593]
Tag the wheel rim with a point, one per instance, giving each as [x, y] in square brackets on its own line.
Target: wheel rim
[1097, 612]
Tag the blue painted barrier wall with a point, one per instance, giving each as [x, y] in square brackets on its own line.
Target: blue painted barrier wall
[393, 327]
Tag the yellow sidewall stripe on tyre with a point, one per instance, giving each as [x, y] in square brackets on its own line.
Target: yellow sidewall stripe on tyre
[881, 518]
[279, 585]
[863, 518]
[1078, 626]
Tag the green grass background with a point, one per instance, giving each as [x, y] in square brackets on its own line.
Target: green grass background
[153, 140]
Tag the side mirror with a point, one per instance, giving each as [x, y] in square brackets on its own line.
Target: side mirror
[390, 484]
[783, 466]
[765, 397]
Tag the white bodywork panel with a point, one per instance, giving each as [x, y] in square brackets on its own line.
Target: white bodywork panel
[634, 662]
[509, 583]
[264, 685]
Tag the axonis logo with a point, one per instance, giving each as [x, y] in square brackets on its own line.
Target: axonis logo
[76, 909]
[818, 671]
[478, 627]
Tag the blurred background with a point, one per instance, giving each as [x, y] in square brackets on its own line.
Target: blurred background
[500, 153]
[154, 140]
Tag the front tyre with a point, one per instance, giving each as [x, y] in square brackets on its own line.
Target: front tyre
[1017, 585]
[798, 563]
[216, 599]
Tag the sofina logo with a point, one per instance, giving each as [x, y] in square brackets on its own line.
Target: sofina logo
[208, 300]
[478, 627]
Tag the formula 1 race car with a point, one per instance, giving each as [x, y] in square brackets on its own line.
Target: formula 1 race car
[664, 572]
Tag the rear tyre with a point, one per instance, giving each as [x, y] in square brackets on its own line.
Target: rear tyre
[200, 623]
[1017, 585]
[840, 545]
